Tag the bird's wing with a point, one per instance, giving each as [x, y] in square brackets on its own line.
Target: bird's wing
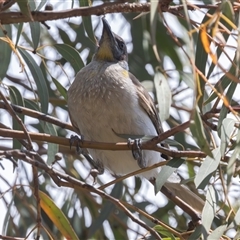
[74, 124]
[146, 102]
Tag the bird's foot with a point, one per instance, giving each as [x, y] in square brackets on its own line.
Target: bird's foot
[137, 151]
[76, 140]
[94, 173]
[97, 165]
[98, 168]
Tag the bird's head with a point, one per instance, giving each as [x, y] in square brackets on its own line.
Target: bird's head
[111, 48]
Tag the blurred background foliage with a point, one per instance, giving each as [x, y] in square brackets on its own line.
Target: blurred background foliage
[199, 62]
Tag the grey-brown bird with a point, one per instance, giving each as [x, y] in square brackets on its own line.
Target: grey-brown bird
[106, 102]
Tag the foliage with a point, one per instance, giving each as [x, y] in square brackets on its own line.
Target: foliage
[196, 59]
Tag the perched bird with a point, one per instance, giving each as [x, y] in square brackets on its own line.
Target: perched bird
[106, 102]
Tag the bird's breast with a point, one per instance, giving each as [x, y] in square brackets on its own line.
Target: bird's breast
[104, 101]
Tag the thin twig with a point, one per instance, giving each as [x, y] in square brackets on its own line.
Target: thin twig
[38, 115]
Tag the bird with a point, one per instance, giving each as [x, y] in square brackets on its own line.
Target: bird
[106, 102]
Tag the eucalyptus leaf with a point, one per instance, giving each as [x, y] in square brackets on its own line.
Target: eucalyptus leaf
[209, 209]
[71, 55]
[197, 130]
[166, 172]
[218, 232]
[207, 168]
[39, 79]
[35, 33]
[226, 132]
[5, 52]
[164, 95]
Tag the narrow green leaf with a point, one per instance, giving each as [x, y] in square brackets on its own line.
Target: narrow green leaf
[165, 232]
[57, 216]
[228, 11]
[35, 33]
[19, 32]
[164, 95]
[226, 132]
[153, 24]
[39, 79]
[197, 130]
[71, 55]
[201, 61]
[16, 98]
[234, 157]
[166, 172]
[224, 109]
[107, 210]
[52, 148]
[25, 8]
[188, 79]
[7, 217]
[41, 4]
[220, 85]
[5, 52]
[87, 22]
[199, 230]
[60, 88]
[209, 209]
[236, 221]
[218, 232]
[207, 168]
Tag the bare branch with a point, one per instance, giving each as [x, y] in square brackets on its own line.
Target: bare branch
[18, 17]
[149, 145]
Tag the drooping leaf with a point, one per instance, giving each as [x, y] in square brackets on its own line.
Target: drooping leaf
[218, 232]
[71, 55]
[5, 51]
[163, 231]
[166, 172]
[164, 95]
[25, 8]
[38, 78]
[52, 148]
[199, 136]
[57, 216]
[226, 131]
[224, 109]
[153, 25]
[17, 99]
[107, 210]
[209, 209]
[208, 167]
[19, 32]
[87, 22]
[60, 88]
[201, 62]
[234, 157]
[35, 34]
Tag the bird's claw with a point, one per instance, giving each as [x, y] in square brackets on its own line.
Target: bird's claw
[137, 151]
[97, 165]
[76, 141]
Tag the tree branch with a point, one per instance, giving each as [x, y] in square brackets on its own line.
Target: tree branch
[42, 16]
[121, 146]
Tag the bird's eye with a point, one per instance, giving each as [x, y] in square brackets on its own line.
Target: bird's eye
[121, 45]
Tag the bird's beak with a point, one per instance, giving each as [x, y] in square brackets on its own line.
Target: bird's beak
[107, 43]
[107, 34]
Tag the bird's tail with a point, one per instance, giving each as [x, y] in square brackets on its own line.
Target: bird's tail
[186, 195]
